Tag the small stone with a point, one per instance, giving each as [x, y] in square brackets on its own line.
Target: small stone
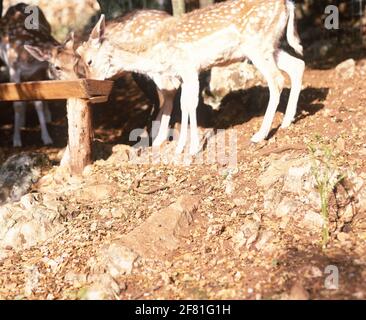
[93, 226]
[264, 239]
[239, 202]
[103, 287]
[215, 230]
[286, 207]
[346, 69]
[237, 276]
[359, 295]
[348, 214]
[28, 201]
[117, 259]
[313, 221]
[343, 237]
[119, 212]
[298, 292]
[341, 144]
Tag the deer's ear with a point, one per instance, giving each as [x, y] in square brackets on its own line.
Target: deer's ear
[80, 50]
[69, 43]
[38, 53]
[98, 32]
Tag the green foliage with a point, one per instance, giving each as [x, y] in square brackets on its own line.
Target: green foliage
[114, 8]
[327, 173]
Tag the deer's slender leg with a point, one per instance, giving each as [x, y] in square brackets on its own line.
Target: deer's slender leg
[267, 66]
[294, 67]
[42, 121]
[22, 114]
[194, 146]
[18, 106]
[189, 102]
[19, 110]
[47, 112]
[166, 99]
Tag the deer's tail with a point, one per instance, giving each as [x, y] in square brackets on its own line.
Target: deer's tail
[293, 38]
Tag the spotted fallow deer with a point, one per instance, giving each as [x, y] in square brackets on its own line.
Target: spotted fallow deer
[63, 61]
[179, 48]
[22, 66]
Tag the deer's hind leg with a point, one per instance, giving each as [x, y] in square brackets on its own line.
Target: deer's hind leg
[47, 112]
[19, 119]
[267, 65]
[189, 102]
[295, 68]
[19, 110]
[43, 123]
[166, 100]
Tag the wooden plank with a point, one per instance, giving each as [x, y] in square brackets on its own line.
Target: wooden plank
[98, 87]
[80, 129]
[100, 99]
[54, 90]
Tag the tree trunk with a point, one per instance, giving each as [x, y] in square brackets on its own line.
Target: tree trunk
[205, 3]
[178, 7]
[113, 8]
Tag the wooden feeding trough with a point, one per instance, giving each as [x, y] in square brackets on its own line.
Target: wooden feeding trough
[80, 94]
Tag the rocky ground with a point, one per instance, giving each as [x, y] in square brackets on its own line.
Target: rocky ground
[204, 230]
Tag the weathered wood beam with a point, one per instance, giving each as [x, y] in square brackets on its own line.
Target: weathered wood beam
[54, 90]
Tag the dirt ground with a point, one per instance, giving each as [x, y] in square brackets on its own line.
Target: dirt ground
[205, 265]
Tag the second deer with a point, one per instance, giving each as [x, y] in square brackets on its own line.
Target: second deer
[22, 66]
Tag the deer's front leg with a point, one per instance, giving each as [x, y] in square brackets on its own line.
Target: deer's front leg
[42, 121]
[19, 109]
[189, 102]
[166, 99]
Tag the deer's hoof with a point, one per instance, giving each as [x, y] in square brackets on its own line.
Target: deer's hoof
[47, 140]
[258, 137]
[17, 143]
[286, 123]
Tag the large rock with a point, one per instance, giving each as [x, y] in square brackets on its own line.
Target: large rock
[19, 173]
[293, 196]
[163, 232]
[285, 169]
[224, 80]
[292, 193]
[27, 223]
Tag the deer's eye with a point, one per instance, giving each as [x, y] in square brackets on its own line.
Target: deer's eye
[90, 62]
[58, 68]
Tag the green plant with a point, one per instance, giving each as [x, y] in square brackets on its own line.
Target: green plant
[327, 173]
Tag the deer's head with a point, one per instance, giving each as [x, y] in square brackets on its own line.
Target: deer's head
[63, 60]
[95, 56]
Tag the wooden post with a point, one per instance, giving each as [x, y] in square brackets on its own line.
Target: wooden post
[80, 94]
[178, 7]
[80, 134]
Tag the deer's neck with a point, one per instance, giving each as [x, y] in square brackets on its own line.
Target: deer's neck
[134, 62]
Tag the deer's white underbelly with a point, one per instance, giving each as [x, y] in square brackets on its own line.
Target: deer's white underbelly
[219, 48]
